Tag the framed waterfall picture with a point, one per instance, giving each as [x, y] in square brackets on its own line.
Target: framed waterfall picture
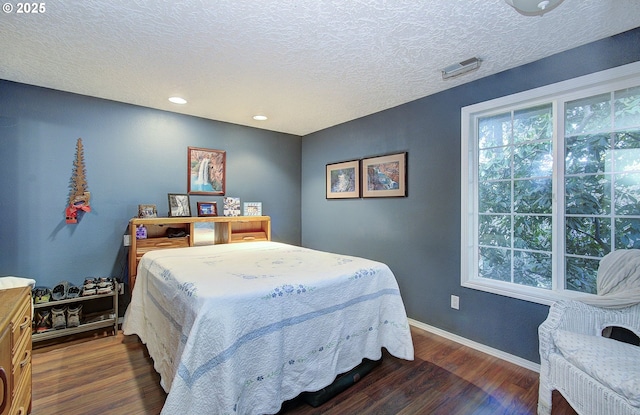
[343, 180]
[385, 176]
[206, 171]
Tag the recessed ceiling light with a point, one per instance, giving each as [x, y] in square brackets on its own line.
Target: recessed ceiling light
[178, 100]
[260, 117]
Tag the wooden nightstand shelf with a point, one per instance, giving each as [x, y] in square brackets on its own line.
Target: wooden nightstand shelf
[228, 229]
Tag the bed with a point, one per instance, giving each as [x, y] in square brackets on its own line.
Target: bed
[241, 328]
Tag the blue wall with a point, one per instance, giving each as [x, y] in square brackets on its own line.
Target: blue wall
[133, 155]
[419, 236]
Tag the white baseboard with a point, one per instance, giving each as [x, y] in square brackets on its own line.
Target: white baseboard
[478, 346]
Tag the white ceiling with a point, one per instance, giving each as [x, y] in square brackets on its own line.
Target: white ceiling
[306, 64]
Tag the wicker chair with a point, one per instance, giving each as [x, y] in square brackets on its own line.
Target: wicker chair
[596, 375]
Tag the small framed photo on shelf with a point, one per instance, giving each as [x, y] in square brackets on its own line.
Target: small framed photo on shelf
[179, 205]
[252, 209]
[385, 176]
[147, 211]
[207, 209]
[343, 180]
[231, 206]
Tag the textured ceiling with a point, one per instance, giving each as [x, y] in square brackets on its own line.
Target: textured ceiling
[306, 64]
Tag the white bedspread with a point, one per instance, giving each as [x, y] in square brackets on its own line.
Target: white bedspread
[240, 328]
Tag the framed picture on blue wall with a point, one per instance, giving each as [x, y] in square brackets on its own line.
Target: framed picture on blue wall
[231, 206]
[207, 209]
[179, 205]
[343, 180]
[206, 171]
[385, 176]
[147, 211]
[252, 209]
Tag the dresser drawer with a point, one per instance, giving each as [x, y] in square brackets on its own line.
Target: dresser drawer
[21, 326]
[21, 368]
[22, 394]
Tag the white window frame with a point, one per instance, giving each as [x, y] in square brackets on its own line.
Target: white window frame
[588, 85]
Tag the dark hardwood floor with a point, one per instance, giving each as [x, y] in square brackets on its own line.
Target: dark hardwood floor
[114, 375]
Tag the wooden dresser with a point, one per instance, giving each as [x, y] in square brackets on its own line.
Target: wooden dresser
[15, 351]
[228, 229]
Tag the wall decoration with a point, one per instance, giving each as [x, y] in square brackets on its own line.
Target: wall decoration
[385, 176]
[207, 209]
[343, 180]
[79, 195]
[147, 211]
[252, 209]
[232, 206]
[179, 205]
[206, 171]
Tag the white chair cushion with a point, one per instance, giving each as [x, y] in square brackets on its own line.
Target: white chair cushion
[613, 363]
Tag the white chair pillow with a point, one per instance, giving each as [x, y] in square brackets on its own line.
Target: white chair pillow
[613, 363]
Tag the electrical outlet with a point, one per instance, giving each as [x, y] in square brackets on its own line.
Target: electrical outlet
[126, 240]
[455, 302]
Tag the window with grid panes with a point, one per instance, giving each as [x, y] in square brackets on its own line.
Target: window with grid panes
[551, 184]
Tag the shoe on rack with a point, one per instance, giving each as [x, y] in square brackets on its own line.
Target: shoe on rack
[89, 291]
[43, 320]
[74, 291]
[74, 315]
[104, 282]
[41, 295]
[90, 287]
[105, 285]
[60, 291]
[58, 318]
[90, 283]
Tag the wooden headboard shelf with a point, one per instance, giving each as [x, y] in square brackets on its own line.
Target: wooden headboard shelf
[228, 229]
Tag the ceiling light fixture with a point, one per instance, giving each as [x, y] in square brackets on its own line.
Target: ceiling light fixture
[260, 117]
[533, 7]
[178, 100]
[460, 68]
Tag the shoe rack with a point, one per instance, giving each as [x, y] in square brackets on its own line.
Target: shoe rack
[96, 314]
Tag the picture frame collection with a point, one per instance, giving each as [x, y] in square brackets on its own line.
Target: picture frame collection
[379, 176]
[206, 176]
